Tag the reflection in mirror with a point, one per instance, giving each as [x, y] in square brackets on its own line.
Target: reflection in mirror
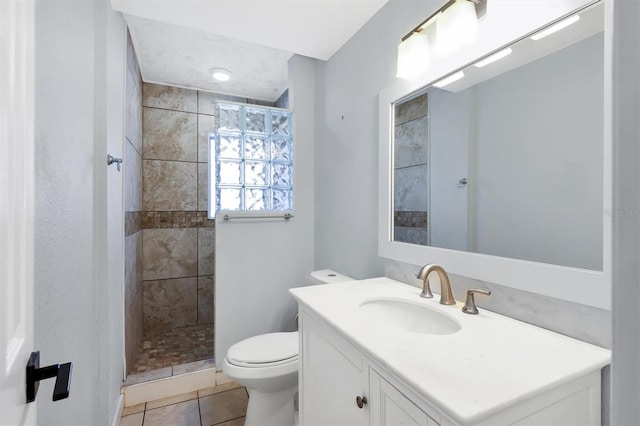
[508, 160]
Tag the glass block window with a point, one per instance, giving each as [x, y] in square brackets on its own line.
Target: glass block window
[251, 159]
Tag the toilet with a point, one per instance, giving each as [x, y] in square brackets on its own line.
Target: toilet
[267, 365]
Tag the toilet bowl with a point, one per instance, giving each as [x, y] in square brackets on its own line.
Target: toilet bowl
[267, 365]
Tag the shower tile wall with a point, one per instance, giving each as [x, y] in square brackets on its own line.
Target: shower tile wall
[133, 207]
[411, 166]
[178, 239]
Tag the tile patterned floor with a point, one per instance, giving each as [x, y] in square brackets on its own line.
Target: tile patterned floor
[223, 405]
[174, 347]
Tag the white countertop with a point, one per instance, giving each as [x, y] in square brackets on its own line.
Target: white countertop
[492, 362]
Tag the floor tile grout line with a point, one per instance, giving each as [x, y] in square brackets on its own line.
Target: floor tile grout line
[230, 420]
[199, 410]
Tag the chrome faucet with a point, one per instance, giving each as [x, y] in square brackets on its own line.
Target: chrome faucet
[446, 296]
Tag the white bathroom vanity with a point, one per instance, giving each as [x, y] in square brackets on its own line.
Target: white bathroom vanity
[373, 352]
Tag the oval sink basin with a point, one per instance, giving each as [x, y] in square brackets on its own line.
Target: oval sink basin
[408, 316]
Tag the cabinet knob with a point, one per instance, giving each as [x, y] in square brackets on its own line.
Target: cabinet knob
[361, 401]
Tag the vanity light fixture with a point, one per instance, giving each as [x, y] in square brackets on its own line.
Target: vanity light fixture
[448, 80]
[493, 58]
[221, 74]
[413, 55]
[556, 27]
[456, 25]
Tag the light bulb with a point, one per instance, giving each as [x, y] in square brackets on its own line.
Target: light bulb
[413, 55]
[457, 26]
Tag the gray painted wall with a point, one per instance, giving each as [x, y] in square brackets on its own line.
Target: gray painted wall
[539, 159]
[626, 204]
[347, 140]
[258, 261]
[78, 317]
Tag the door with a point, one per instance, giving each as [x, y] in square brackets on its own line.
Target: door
[389, 407]
[334, 379]
[16, 207]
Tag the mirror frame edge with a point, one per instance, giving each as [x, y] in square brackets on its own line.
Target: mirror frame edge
[587, 287]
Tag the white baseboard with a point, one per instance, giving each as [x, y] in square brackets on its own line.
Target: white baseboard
[115, 421]
[168, 386]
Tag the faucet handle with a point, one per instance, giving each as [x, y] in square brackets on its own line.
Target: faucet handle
[470, 305]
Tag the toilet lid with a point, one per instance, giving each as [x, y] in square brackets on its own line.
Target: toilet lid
[264, 349]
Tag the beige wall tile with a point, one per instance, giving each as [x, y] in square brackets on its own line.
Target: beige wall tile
[169, 185]
[206, 126]
[203, 186]
[169, 97]
[206, 304]
[132, 64]
[133, 330]
[406, 198]
[132, 244]
[170, 135]
[132, 178]
[223, 406]
[206, 251]
[410, 145]
[206, 101]
[133, 111]
[182, 414]
[169, 303]
[169, 253]
[411, 110]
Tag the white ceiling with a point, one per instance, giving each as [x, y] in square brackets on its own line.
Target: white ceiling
[179, 41]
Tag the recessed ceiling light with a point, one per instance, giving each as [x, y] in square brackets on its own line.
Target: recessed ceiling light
[555, 28]
[221, 74]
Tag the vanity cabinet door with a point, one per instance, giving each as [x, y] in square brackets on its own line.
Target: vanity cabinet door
[389, 407]
[333, 375]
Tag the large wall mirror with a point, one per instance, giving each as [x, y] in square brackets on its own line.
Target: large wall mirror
[497, 170]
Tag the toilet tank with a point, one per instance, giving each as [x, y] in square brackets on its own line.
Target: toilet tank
[327, 276]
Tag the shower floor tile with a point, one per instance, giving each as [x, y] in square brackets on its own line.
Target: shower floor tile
[174, 347]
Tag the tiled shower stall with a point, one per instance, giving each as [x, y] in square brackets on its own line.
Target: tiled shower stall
[170, 241]
[411, 166]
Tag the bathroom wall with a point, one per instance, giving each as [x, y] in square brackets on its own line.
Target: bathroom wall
[177, 238]
[508, 215]
[133, 206]
[626, 204]
[346, 155]
[258, 261]
[79, 53]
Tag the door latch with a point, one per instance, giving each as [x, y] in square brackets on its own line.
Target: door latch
[62, 373]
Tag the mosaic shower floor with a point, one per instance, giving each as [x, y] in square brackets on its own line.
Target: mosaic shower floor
[174, 347]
